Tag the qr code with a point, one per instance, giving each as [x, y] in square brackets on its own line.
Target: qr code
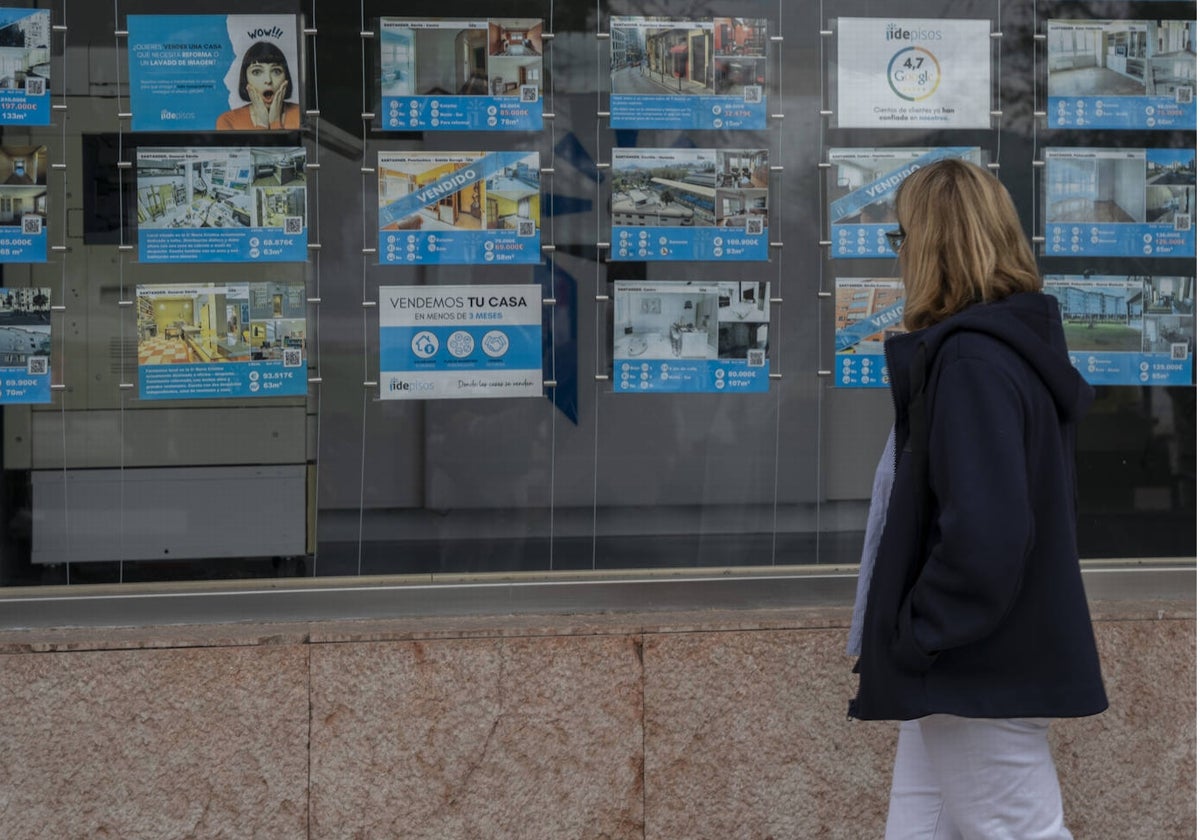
[1183, 221]
[293, 224]
[1183, 95]
[756, 358]
[525, 227]
[754, 226]
[529, 93]
[35, 87]
[39, 365]
[1179, 352]
[752, 93]
[292, 357]
[31, 224]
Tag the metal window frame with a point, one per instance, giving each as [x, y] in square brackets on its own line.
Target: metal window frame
[341, 599]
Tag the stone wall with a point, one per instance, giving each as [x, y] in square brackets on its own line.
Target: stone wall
[665, 726]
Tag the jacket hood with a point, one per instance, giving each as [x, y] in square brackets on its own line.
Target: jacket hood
[1030, 324]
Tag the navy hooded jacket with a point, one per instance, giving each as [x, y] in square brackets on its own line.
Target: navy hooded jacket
[976, 604]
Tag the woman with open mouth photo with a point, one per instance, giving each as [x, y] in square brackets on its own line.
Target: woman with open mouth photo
[264, 82]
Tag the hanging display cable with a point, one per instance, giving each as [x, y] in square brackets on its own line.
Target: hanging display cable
[369, 385]
[313, 302]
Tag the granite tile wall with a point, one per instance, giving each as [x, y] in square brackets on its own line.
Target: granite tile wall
[704, 725]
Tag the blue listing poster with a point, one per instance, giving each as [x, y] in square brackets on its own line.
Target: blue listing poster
[217, 340]
[1131, 74]
[1120, 202]
[862, 191]
[23, 204]
[215, 72]
[24, 346]
[867, 311]
[1128, 330]
[222, 204]
[677, 337]
[690, 204]
[460, 75]
[25, 85]
[457, 342]
[688, 74]
[459, 208]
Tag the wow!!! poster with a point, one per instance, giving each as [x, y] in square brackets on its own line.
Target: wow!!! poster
[690, 204]
[460, 75]
[25, 83]
[245, 339]
[688, 73]
[214, 72]
[222, 204]
[446, 208]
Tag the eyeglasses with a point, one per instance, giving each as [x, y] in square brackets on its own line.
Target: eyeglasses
[895, 238]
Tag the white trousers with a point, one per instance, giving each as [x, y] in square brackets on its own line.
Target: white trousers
[975, 779]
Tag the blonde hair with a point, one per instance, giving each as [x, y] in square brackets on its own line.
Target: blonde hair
[963, 242]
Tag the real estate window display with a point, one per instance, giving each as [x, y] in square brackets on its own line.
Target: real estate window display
[594, 480]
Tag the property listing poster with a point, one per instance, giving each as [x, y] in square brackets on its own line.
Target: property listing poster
[214, 72]
[862, 190]
[689, 204]
[448, 208]
[451, 342]
[868, 311]
[1120, 202]
[24, 346]
[23, 204]
[1128, 330]
[913, 73]
[688, 74]
[679, 337]
[222, 204]
[1121, 74]
[460, 75]
[221, 340]
[24, 67]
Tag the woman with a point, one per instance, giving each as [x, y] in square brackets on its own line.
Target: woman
[264, 82]
[976, 628]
